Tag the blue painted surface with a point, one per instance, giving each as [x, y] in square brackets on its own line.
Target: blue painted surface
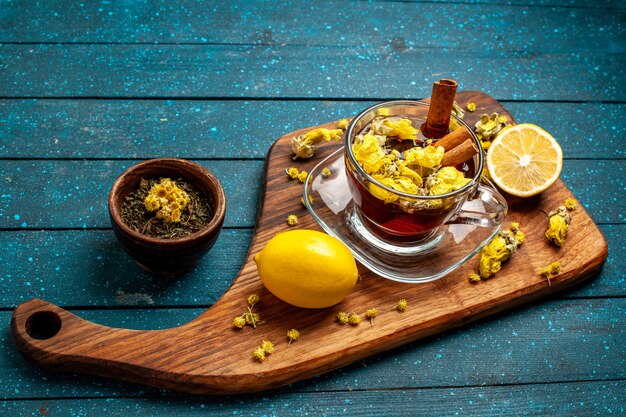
[88, 88]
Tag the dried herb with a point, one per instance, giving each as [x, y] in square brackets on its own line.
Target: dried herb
[402, 305]
[293, 335]
[196, 215]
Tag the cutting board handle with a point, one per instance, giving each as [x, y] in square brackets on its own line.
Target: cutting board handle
[52, 336]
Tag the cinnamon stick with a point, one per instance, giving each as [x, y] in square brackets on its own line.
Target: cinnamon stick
[453, 139]
[459, 154]
[441, 100]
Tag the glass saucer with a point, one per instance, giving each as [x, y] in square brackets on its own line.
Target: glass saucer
[329, 201]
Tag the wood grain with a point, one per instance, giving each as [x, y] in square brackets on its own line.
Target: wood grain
[523, 347]
[305, 23]
[224, 129]
[207, 356]
[260, 71]
[85, 205]
[579, 398]
[62, 261]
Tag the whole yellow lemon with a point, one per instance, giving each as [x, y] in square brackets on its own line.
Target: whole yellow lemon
[307, 268]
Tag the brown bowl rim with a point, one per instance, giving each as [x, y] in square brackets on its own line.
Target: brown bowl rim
[215, 223]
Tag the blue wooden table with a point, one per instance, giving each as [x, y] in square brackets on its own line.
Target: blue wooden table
[90, 88]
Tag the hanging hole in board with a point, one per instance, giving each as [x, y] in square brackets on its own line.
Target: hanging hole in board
[43, 325]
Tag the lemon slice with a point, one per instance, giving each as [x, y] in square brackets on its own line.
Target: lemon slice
[524, 160]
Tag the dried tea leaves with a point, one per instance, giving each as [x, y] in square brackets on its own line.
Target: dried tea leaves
[196, 215]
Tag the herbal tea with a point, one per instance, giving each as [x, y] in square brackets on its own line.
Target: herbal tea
[393, 152]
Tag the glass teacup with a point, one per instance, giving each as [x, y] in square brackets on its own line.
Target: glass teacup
[409, 223]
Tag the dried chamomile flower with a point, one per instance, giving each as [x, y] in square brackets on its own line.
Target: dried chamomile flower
[302, 176]
[560, 220]
[370, 314]
[292, 172]
[343, 124]
[457, 110]
[354, 319]
[252, 318]
[293, 335]
[489, 126]
[397, 127]
[326, 172]
[292, 220]
[343, 317]
[267, 346]
[501, 247]
[474, 277]
[310, 200]
[253, 299]
[402, 305]
[570, 204]
[259, 354]
[552, 269]
[249, 317]
[514, 227]
[471, 107]
[239, 322]
[167, 199]
[303, 146]
[446, 180]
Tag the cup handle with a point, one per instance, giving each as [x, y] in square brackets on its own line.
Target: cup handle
[495, 208]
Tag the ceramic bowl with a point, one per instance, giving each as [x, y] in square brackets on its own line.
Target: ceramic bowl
[167, 256]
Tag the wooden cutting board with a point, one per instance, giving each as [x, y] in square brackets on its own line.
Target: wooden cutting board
[209, 356]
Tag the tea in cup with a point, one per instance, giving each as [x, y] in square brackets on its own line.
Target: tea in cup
[406, 186]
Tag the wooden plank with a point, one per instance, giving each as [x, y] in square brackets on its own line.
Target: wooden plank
[561, 399]
[73, 194]
[362, 72]
[397, 25]
[584, 130]
[51, 194]
[600, 4]
[529, 341]
[154, 128]
[224, 129]
[88, 268]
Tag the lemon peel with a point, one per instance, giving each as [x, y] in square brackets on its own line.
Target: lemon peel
[307, 268]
